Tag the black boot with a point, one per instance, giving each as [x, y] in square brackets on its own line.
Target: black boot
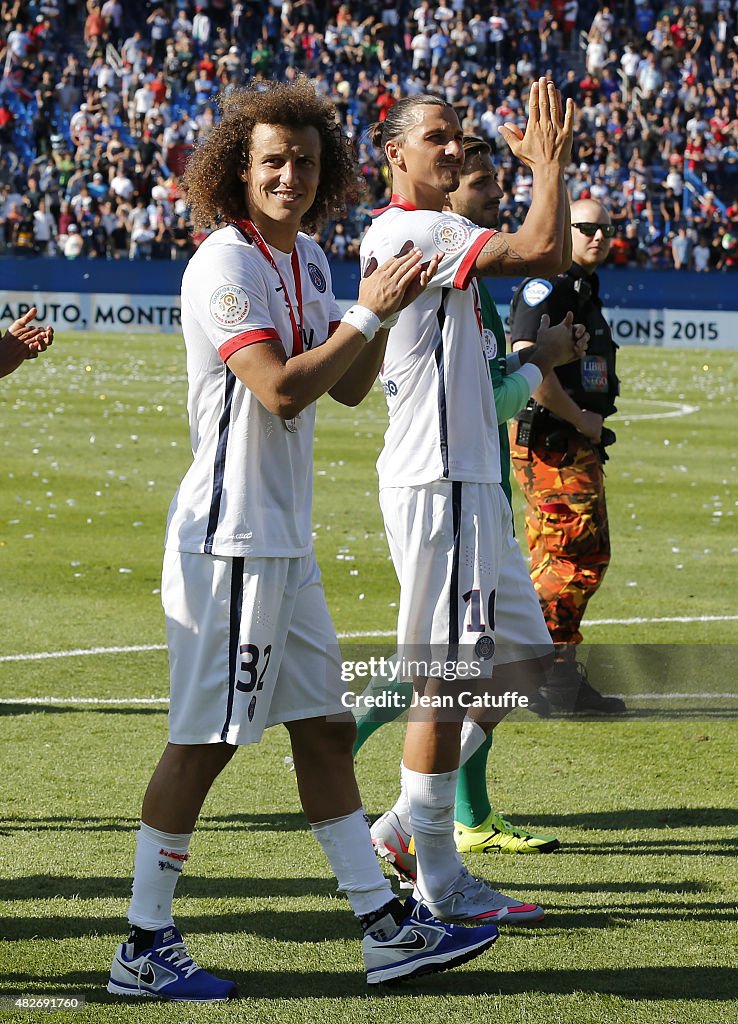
[568, 689]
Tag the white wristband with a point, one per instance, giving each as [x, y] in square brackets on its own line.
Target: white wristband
[363, 319]
[390, 322]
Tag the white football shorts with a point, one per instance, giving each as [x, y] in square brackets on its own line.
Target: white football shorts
[251, 645]
[464, 584]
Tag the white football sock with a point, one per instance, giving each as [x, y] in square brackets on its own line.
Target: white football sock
[432, 799]
[160, 857]
[348, 846]
[402, 804]
[472, 737]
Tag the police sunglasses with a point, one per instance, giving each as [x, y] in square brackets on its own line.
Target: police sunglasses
[590, 230]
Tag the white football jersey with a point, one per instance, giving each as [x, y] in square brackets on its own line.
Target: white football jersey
[442, 420]
[248, 491]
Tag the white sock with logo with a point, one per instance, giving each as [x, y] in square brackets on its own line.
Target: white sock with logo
[160, 857]
[432, 799]
[348, 846]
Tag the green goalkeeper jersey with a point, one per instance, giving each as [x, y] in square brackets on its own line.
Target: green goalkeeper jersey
[511, 392]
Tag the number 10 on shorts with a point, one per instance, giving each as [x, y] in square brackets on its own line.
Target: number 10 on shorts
[474, 599]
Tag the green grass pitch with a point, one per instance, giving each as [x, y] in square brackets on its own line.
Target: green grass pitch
[641, 901]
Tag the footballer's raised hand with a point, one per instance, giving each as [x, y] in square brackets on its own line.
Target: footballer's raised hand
[35, 338]
[548, 136]
[23, 341]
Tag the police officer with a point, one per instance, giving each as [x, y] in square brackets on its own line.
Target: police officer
[558, 450]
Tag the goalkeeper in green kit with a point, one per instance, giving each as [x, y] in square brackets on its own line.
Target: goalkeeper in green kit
[478, 828]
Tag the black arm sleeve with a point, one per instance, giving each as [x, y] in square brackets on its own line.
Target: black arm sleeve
[525, 319]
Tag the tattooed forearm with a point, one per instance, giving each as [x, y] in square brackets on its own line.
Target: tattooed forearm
[499, 246]
[499, 259]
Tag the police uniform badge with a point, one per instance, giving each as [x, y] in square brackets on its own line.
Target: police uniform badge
[536, 291]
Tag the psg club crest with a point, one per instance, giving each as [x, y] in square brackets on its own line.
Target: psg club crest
[484, 648]
[316, 276]
[229, 305]
[450, 235]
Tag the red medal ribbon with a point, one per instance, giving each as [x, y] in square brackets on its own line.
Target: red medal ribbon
[249, 228]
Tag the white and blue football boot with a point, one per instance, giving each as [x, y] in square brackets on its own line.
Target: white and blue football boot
[165, 971]
[422, 945]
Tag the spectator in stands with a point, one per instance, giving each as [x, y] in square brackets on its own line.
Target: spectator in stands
[95, 30]
[7, 122]
[701, 254]
[677, 114]
[44, 230]
[681, 249]
[596, 54]
[19, 45]
[112, 13]
[74, 244]
[498, 31]
[182, 247]
[201, 30]
[159, 31]
[571, 13]
[23, 229]
[421, 49]
[727, 250]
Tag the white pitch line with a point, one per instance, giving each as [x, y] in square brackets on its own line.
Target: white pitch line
[676, 409]
[117, 701]
[361, 635]
[674, 618]
[679, 696]
[84, 700]
[82, 652]
[586, 623]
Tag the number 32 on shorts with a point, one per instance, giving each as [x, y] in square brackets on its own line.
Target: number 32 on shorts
[250, 667]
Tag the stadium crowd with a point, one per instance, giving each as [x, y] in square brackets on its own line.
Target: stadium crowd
[101, 104]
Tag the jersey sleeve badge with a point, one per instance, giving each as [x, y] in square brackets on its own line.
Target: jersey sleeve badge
[450, 235]
[229, 305]
[490, 343]
[536, 291]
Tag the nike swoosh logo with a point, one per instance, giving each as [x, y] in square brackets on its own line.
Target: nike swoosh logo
[418, 942]
[146, 977]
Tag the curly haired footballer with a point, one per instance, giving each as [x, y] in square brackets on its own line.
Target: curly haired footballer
[214, 189]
